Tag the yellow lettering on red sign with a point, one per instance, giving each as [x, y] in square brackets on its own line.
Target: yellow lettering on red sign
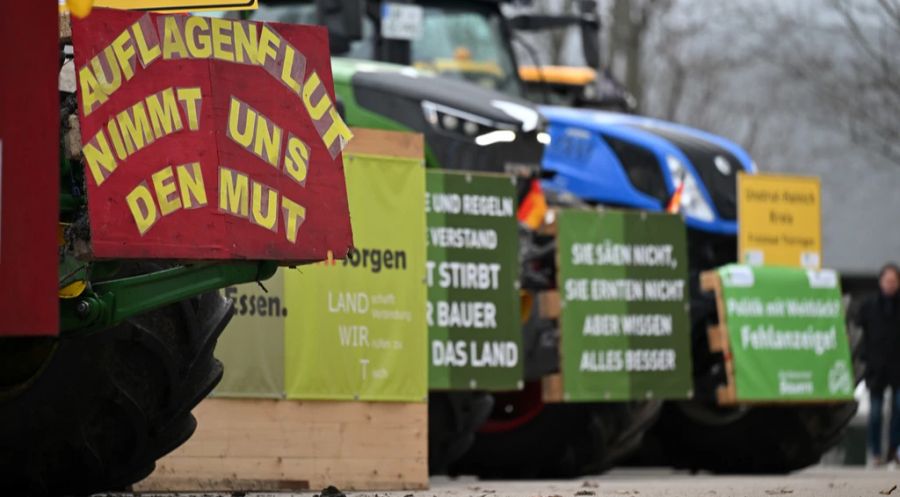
[313, 87]
[197, 37]
[190, 182]
[140, 125]
[245, 42]
[265, 206]
[234, 192]
[135, 127]
[169, 194]
[123, 48]
[140, 202]
[221, 39]
[175, 37]
[269, 41]
[294, 215]
[190, 100]
[258, 203]
[331, 128]
[166, 191]
[164, 114]
[147, 40]
[296, 160]
[99, 158]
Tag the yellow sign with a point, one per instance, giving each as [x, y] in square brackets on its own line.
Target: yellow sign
[779, 220]
[81, 7]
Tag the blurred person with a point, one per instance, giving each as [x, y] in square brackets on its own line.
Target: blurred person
[879, 318]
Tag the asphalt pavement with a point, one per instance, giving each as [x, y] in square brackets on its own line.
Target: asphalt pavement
[817, 481]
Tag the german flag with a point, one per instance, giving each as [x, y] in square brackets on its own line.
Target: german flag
[533, 207]
[674, 206]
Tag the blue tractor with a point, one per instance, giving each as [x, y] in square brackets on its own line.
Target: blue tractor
[637, 162]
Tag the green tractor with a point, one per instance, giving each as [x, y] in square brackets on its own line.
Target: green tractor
[104, 357]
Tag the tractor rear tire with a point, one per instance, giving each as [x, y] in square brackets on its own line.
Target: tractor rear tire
[759, 440]
[561, 441]
[106, 405]
[453, 420]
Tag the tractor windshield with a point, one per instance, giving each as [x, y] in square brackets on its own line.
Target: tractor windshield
[466, 43]
[459, 39]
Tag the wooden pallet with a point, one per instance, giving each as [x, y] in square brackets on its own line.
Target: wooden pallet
[717, 335]
[272, 445]
[550, 307]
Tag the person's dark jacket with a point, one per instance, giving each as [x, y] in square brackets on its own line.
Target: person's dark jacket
[879, 318]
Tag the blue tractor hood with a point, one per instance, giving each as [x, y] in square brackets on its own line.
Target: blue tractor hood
[634, 162]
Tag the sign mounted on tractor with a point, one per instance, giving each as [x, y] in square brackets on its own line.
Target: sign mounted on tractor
[190, 150]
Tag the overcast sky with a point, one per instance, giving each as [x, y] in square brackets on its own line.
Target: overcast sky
[754, 71]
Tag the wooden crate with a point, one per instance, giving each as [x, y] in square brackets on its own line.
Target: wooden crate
[717, 335]
[550, 307]
[272, 445]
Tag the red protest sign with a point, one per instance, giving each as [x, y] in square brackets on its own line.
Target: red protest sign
[209, 138]
[29, 177]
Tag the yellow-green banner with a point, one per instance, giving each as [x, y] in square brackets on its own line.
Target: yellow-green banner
[252, 347]
[356, 328]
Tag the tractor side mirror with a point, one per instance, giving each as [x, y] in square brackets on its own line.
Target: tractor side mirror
[590, 33]
[343, 18]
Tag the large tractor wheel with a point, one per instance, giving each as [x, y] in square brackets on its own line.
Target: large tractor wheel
[699, 435]
[555, 440]
[749, 440]
[453, 420]
[97, 410]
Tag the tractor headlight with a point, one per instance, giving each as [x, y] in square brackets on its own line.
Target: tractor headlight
[465, 124]
[693, 203]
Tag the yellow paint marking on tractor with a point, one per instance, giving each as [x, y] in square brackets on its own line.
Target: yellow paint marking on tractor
[72, 290]
[558, 75]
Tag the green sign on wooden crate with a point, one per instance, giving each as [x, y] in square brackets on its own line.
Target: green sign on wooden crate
[356, 328]
[786, 333]
[472, 274]
[625, 319]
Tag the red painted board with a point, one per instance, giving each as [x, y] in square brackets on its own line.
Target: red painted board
[209, 138]
[29, 169]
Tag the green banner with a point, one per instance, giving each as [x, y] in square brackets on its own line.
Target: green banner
[252, 346]
[357, 328]
[625, 320]
[472, 274]
[786, 333]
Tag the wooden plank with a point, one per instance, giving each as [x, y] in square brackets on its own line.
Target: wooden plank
[551, 228]
[65, 27]
[288, 445]
[206, 473]
[549, 304]
[73, 137]
[552, 388]
[717, 336]
[388, 143]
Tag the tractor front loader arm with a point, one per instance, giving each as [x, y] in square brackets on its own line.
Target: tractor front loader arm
[107, 303]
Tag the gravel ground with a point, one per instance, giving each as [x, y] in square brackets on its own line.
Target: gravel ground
[819, 481]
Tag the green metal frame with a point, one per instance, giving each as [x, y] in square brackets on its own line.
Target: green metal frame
[108, 303]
